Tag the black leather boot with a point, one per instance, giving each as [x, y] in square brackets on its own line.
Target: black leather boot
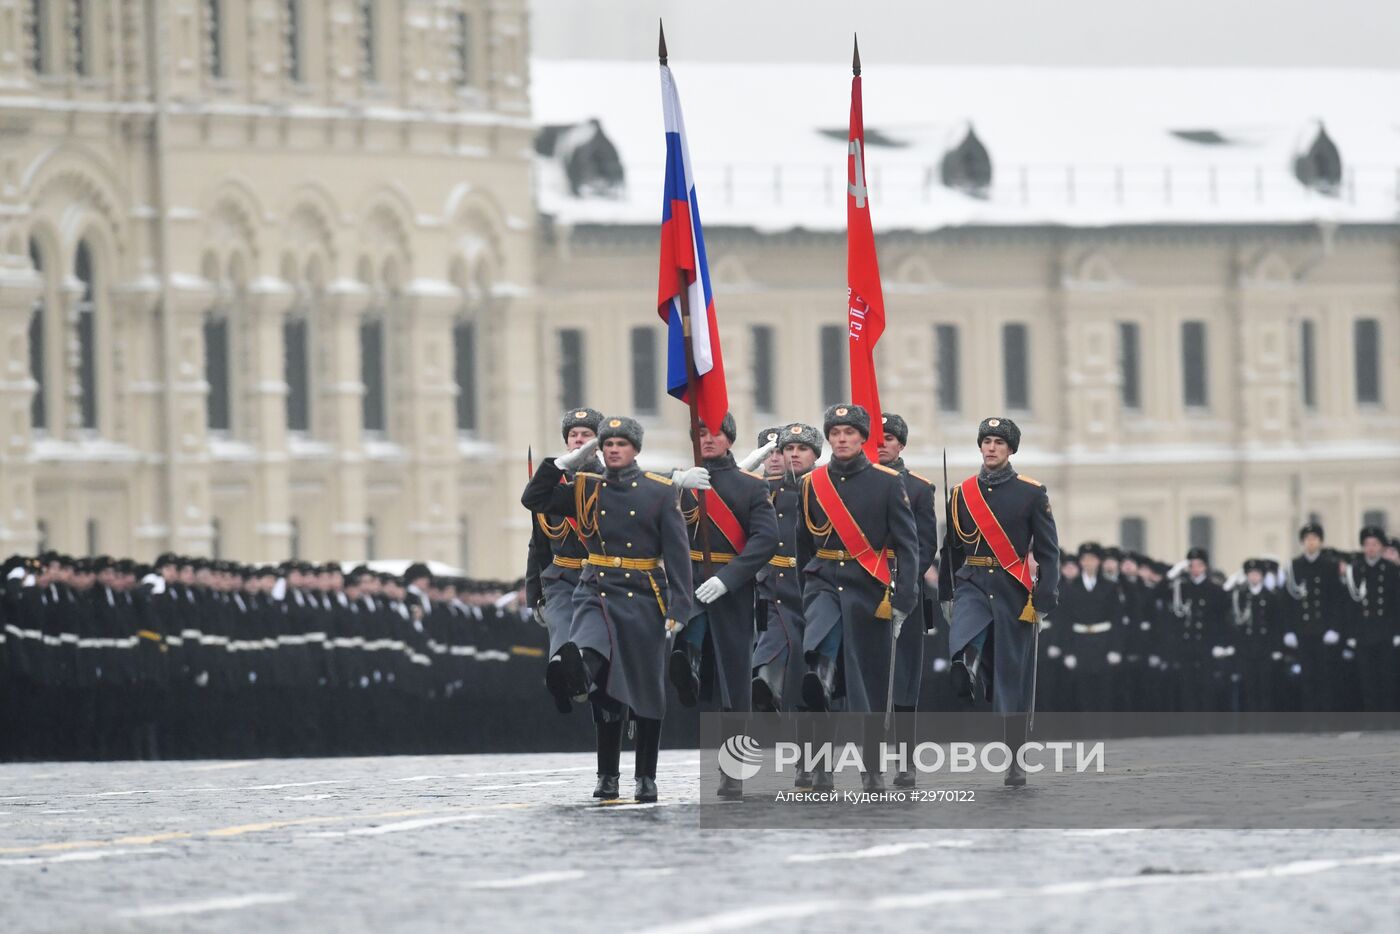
[767, 689]
[567, 677]
[609, 752]
[905, 732]
[818, 684]
[648, 748]
[966, 671]
[684, 669]
[1014, 735]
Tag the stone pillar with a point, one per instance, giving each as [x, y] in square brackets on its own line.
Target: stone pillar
[510, 326]
[339, 412]
[20, 286]
[186, 447]
[425, 398]
[264, 399]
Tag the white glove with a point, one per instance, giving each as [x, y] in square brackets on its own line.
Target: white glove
[1053, 651]
[940, 665]
[1071, 662]
[1154, 661]
[1217, 652]
[758, 456]
[1395, 642]
[1039, 618]
[898, 619]
[691, 478]
[252, 677]
[1276, 656]
[947, 606]
[1351, 643]
[711, 590]
[202, 679]
[1114, 658]
[1296, 669]
[674, 626]
[1331, 637]
[1290, 639]
[576, 457]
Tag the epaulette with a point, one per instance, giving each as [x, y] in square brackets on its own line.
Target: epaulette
[1031, 480]
[659, 478]
[591, 476]
[889, 470]
[921, 477]
[756, 475]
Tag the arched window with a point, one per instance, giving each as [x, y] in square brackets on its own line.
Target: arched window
[218, 404]
[369, 45]
[464, 371]
[86, 356]
[296, 367]
[373, 370]
[38, 411]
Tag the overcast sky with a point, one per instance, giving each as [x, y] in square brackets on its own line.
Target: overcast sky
[1288, 33]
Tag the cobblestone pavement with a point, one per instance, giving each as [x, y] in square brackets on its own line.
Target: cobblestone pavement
[506, 842]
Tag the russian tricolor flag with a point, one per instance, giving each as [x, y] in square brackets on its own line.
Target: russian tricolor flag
[683, 264]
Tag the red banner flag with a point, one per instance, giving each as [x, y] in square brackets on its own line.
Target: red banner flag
[866, 311]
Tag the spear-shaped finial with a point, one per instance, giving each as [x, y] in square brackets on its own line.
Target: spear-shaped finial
[855, 58]
[661, 45]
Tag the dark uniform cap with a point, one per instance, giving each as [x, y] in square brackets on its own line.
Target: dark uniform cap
[1394, 543]
[846, 413]
[771, 434]
[581, 417]
[1000, 427]
[1271, 566]
[1113, 553]
[802, 433]
[1091, 548]
[1312, 528]
[416, 572]
[727, 427]
[1255, 564]
[897, 426]
[620, 426]
[1373, 531]
[1200, 553]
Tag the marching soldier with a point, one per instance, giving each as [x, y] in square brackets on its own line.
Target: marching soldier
[778, 664]
[557, 552]
[1374, 585]
[997, 519]
[857, 554]
[1313, 580]
[742, 535]
[909, 652]
[634, 589]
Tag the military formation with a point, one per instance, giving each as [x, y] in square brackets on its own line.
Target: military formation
[777, 583]
[103, 658]
[1319, 632]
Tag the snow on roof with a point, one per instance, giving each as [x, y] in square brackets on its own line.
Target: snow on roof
[1077, 147]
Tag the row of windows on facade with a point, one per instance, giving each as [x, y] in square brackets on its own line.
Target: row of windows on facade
[1015, 352]
[63, 36]
[92, 530]
[81, 362]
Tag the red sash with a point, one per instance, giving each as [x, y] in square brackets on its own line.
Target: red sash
[877, 563]
[995, 535]
[723, 518]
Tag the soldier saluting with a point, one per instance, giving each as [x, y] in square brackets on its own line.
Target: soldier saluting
[858, 554]
[557, 552]
[635, 584]
[997, 520]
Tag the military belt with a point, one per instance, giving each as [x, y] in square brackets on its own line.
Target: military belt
[716, 557]
[1092, 629]
[783, 561]
[631, 564]
[983, 561]
[836, 554]
[573, 564]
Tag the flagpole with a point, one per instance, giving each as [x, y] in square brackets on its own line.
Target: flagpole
[691, 379]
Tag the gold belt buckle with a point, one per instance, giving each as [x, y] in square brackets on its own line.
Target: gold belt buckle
[617, 562]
